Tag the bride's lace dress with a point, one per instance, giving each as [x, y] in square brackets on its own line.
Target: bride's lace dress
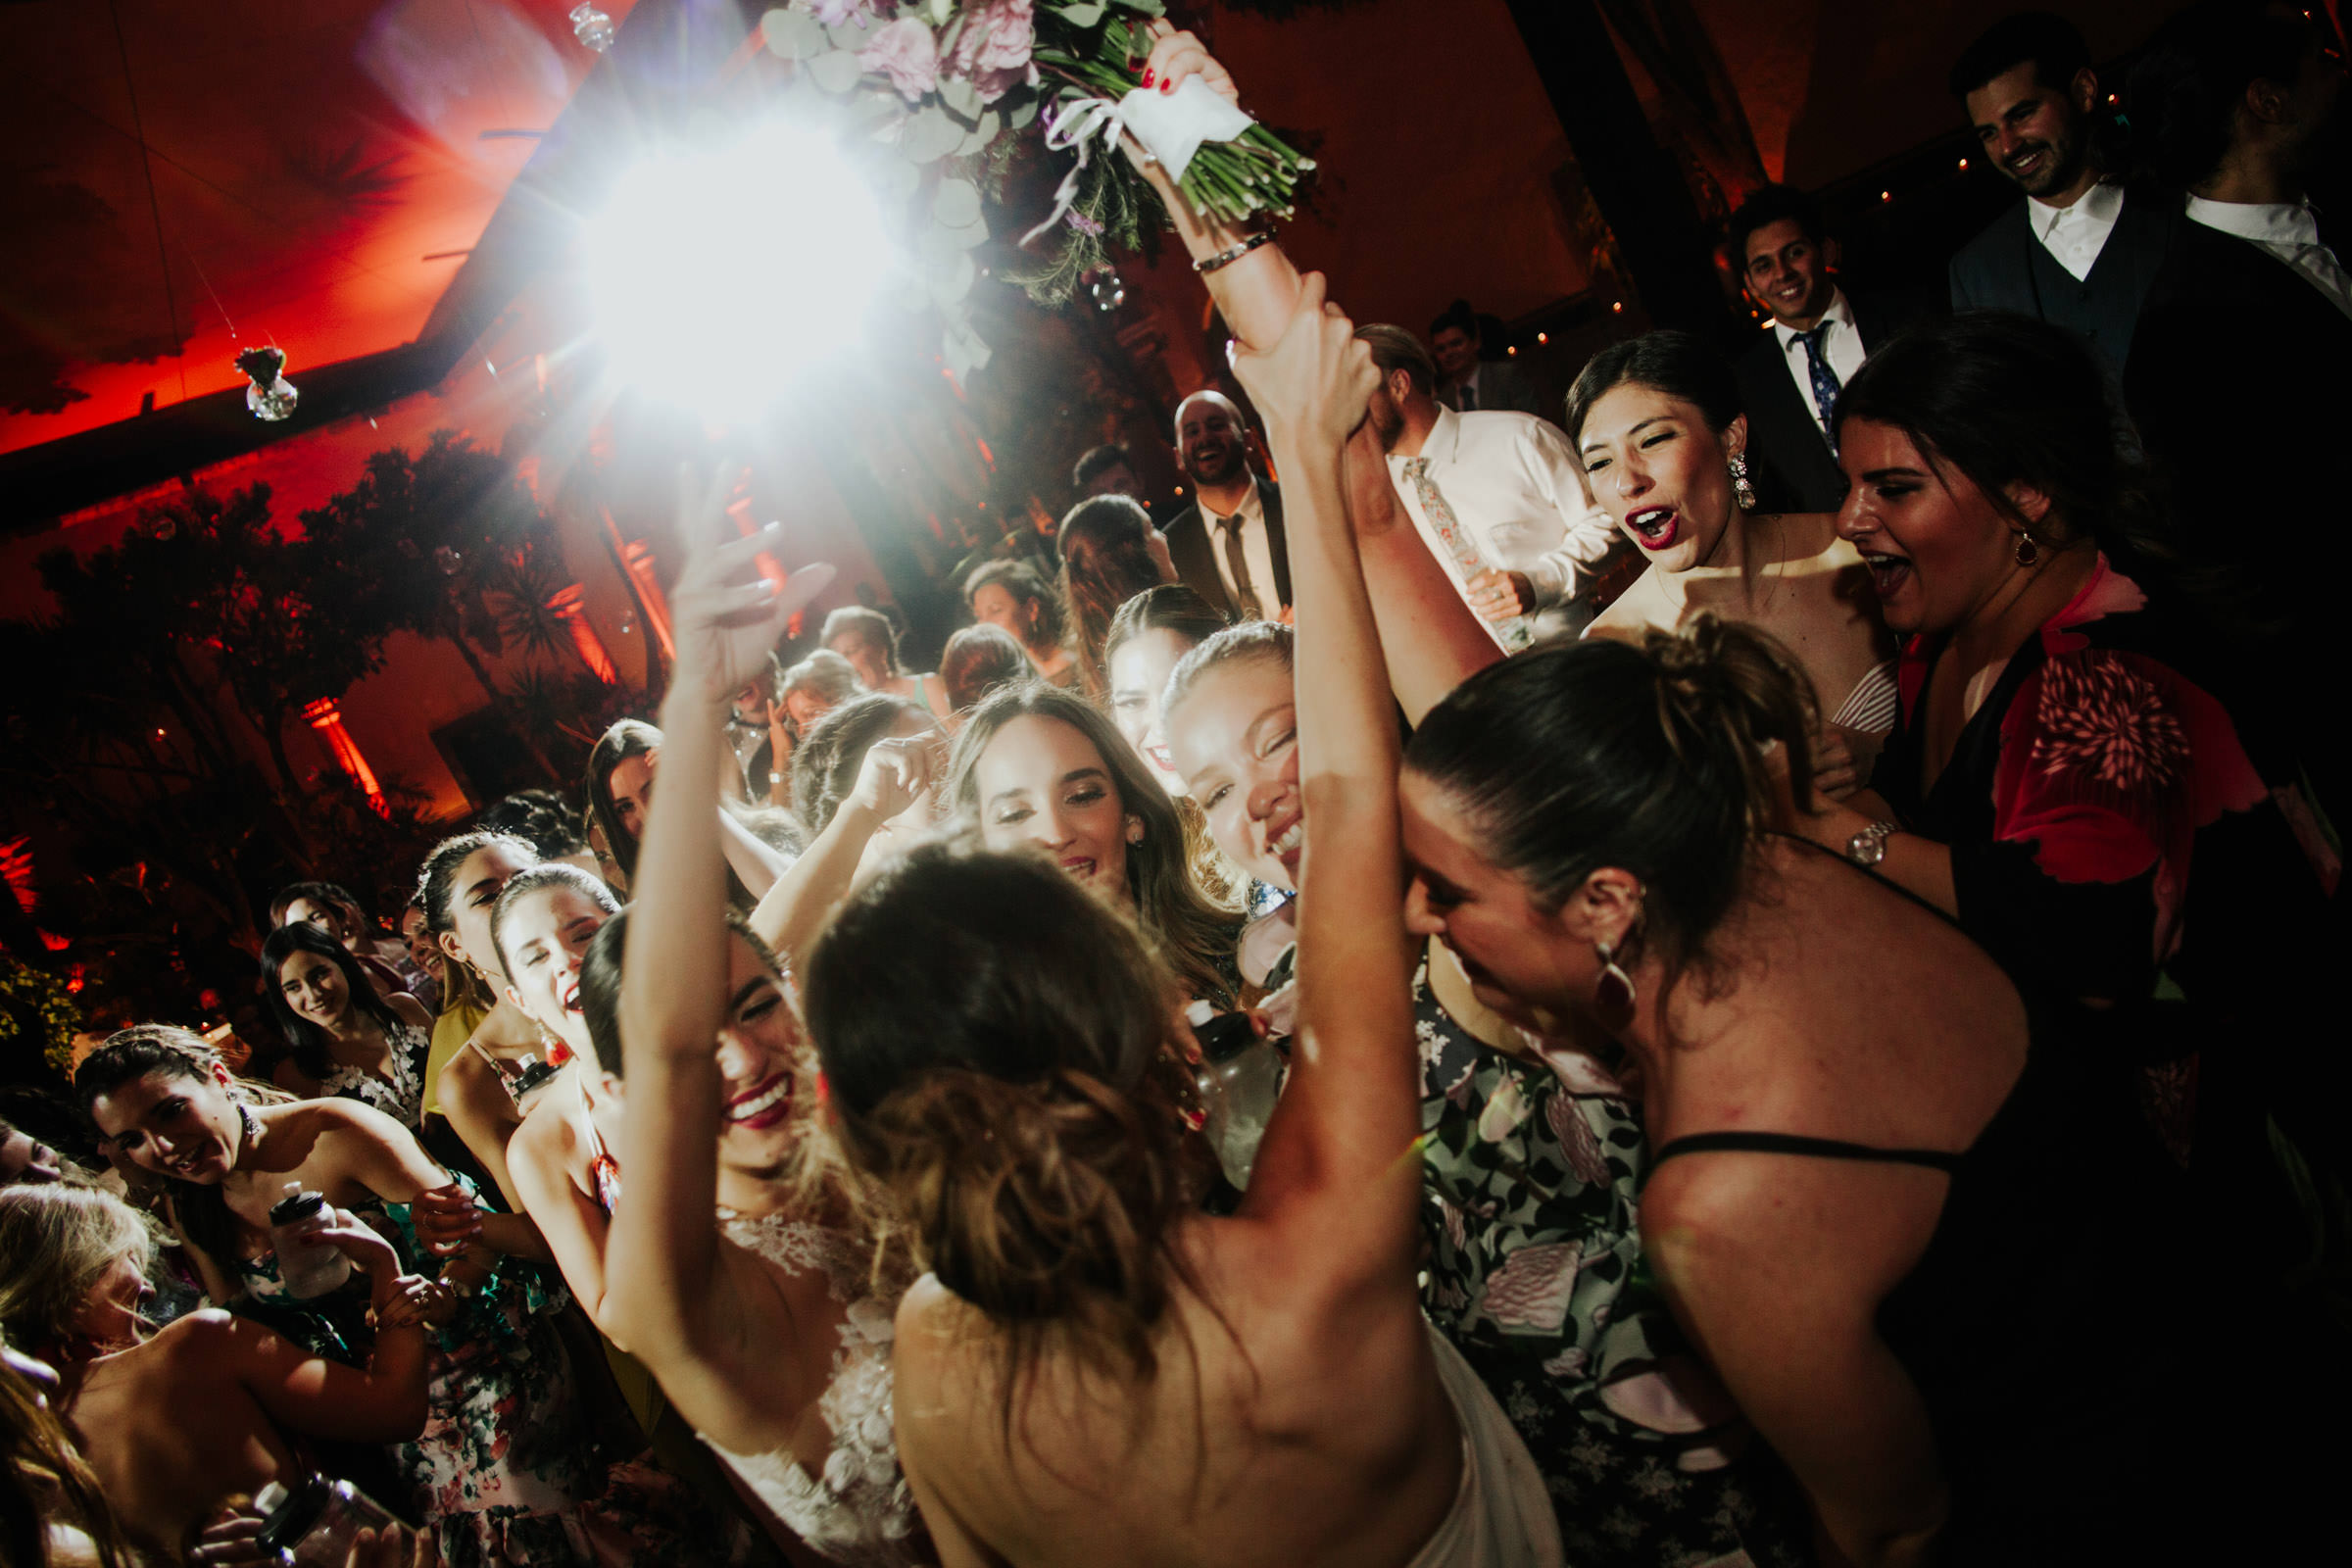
[860, 1512]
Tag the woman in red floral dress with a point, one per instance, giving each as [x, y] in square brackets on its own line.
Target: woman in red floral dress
[2064, 781]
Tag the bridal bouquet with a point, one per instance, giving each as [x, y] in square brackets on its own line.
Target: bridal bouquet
[946, 84]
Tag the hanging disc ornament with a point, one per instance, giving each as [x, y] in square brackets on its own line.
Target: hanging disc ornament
[1103, 286]
[592, 27]
[271, 396]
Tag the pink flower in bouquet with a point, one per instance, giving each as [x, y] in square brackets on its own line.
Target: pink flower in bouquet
[993, 50]
[906, 51]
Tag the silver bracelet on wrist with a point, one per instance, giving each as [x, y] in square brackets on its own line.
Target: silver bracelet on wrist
[1224, 259]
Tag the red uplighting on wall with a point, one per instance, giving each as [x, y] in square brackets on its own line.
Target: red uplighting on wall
[570, 608]
[328, 720]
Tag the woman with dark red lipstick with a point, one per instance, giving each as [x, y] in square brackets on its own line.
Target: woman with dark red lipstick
[1659, 425]
[2064, 781]
[1039, 765]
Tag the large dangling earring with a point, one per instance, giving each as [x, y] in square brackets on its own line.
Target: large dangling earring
[2028, 550]
[1615, 993]
[1741, 491]
[248, 1122]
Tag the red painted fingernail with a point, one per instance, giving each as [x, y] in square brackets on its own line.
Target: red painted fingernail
[1167, 84]
[1146, 75]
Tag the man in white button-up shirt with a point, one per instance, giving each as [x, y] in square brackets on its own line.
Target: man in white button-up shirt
[2076, 250]
[1499, 497]
[2237, 380]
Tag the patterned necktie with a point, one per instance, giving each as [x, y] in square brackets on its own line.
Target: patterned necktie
[1238, 560]
[1459, 544]
[1825, 381]
[1467, 398]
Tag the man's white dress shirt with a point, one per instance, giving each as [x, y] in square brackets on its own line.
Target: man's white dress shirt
[1841, 345]
[2074, 235]
[2288, 231]
[1257, 549]
[1514, 484]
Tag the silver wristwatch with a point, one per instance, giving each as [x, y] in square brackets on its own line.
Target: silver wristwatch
[1868, 848]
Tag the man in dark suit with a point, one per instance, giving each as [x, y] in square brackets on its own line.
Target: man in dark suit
[1228, 546]
[2080, 249]
[1818, 338]
[1468, 382]
[2237, 372]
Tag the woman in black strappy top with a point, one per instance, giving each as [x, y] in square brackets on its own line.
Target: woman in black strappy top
[1916, 1248]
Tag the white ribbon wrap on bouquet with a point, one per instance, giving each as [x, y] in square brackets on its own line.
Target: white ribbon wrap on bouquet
[1169, 126]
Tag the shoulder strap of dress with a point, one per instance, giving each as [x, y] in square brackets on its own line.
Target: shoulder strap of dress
[497, 1067]
[1812, 1148]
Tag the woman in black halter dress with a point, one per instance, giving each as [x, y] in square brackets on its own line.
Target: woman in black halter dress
[1921, 1246]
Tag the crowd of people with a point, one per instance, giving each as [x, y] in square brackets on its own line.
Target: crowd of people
[1731, 979]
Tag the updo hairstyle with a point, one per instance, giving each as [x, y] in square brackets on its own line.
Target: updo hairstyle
[1668, 761]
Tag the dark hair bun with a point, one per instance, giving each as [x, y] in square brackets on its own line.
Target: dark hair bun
[1033, 1201]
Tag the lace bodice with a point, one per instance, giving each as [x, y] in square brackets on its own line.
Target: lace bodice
[860, 1512]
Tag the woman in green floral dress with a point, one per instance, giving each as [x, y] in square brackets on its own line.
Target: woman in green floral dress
[506, 1466]
[1531, 1170]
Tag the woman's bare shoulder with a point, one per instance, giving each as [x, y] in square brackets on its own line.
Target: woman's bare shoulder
[941, 1342]
[546, 1139]
[1634, 611]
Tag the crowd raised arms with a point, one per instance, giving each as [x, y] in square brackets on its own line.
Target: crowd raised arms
[1809, 1063]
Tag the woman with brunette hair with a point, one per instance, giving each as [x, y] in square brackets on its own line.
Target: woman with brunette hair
[345, 1037]
[1660, 430]
[2064, 781]
[1010, 595]
[171, 1425]
[867, 640]
[1040, 766]
[505, 1464]
[977, 660]
[1148, 635]
[1871, 1216]
[1110, 554]
[746, 1282]
[335, 911]
[1532, 1158]
[620, 791]
[1094, 1372]
[472, 1072]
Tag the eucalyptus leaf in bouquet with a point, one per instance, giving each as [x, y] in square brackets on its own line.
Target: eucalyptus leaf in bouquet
[946, 84]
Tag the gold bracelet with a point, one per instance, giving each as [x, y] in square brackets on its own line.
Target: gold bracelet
[1224, 259]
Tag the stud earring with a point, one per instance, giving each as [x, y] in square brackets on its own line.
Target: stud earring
[1741, 491]
[1135, 830]
[2028, 551]
[1615, 993]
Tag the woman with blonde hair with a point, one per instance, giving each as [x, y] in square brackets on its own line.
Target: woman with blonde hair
[175, 1423]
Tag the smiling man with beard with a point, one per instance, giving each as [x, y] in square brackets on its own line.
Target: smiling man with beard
[2080, 251]
[1227, 546]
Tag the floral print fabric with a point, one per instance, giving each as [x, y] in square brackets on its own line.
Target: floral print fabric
[1535, 1273]
[506, 1464]
[403, 1098]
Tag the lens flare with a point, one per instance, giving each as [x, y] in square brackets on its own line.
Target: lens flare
[720, 273]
